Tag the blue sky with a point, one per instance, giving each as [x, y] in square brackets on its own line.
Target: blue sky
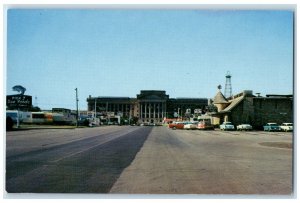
[120, 52]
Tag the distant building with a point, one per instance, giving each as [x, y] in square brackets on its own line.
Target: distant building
[254, 110]
[150, 106]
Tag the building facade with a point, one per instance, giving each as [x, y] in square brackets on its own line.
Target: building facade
[150, 106]
[255, 110]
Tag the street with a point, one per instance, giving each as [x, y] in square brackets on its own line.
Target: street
[148, 160]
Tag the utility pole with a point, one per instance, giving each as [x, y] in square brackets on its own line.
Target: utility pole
[95, 109]
[76, 107]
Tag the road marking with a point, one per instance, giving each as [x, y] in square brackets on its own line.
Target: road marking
[78, 152]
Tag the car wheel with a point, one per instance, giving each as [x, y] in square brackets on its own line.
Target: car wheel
[9, 123]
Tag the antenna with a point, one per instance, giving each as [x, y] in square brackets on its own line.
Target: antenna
[228, 88]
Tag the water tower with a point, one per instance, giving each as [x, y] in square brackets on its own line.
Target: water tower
[228, 87]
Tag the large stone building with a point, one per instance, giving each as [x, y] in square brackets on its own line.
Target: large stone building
[254, 110]
[150, 106]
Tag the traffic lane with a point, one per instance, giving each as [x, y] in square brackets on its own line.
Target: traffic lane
[57, 152]
[89, 171]
[208, 162]
[19, 142]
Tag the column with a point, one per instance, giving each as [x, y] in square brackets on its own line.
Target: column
[145, 110]
[154, 110]
[159, 110]
[164, 109]
[141, 110]
[149, 109]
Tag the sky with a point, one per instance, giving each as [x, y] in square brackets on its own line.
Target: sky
[118, 52]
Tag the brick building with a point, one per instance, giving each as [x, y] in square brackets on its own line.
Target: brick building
[254, 110]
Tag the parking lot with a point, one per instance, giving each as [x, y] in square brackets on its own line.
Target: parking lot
[210, 162]
[149, 160]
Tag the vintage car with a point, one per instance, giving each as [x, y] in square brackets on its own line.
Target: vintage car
[286, 127]
[190, 126]
[244, 127]
[226, 126]
[205, 126]
[176, 125]
[272, 127]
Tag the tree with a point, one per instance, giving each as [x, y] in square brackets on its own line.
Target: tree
[34, 109]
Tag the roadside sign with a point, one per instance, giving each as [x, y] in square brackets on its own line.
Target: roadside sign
[19, 101]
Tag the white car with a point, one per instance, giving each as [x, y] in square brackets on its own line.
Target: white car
[226, 126]
[190, 126]
[244, 127]
[286, 127]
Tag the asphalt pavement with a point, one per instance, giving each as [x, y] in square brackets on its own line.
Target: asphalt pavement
[149, 160]
[211, 162]
[86, 164]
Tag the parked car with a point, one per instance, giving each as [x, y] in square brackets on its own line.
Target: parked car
[286, 127]
[176, 125]
[271, 127]
[226, 126]
[190, 126]
[244, 127]
[92, 124]
[205, 126]
[172, 125]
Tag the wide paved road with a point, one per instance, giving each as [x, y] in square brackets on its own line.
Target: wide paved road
[70, 161]
[210, 162]
[149, 160]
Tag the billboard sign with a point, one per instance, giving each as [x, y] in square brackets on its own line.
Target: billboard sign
[18, 101]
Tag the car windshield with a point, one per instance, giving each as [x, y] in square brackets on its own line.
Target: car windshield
[273, 124]
[13, 115]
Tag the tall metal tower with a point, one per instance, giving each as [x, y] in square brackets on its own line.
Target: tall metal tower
[228, 87]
